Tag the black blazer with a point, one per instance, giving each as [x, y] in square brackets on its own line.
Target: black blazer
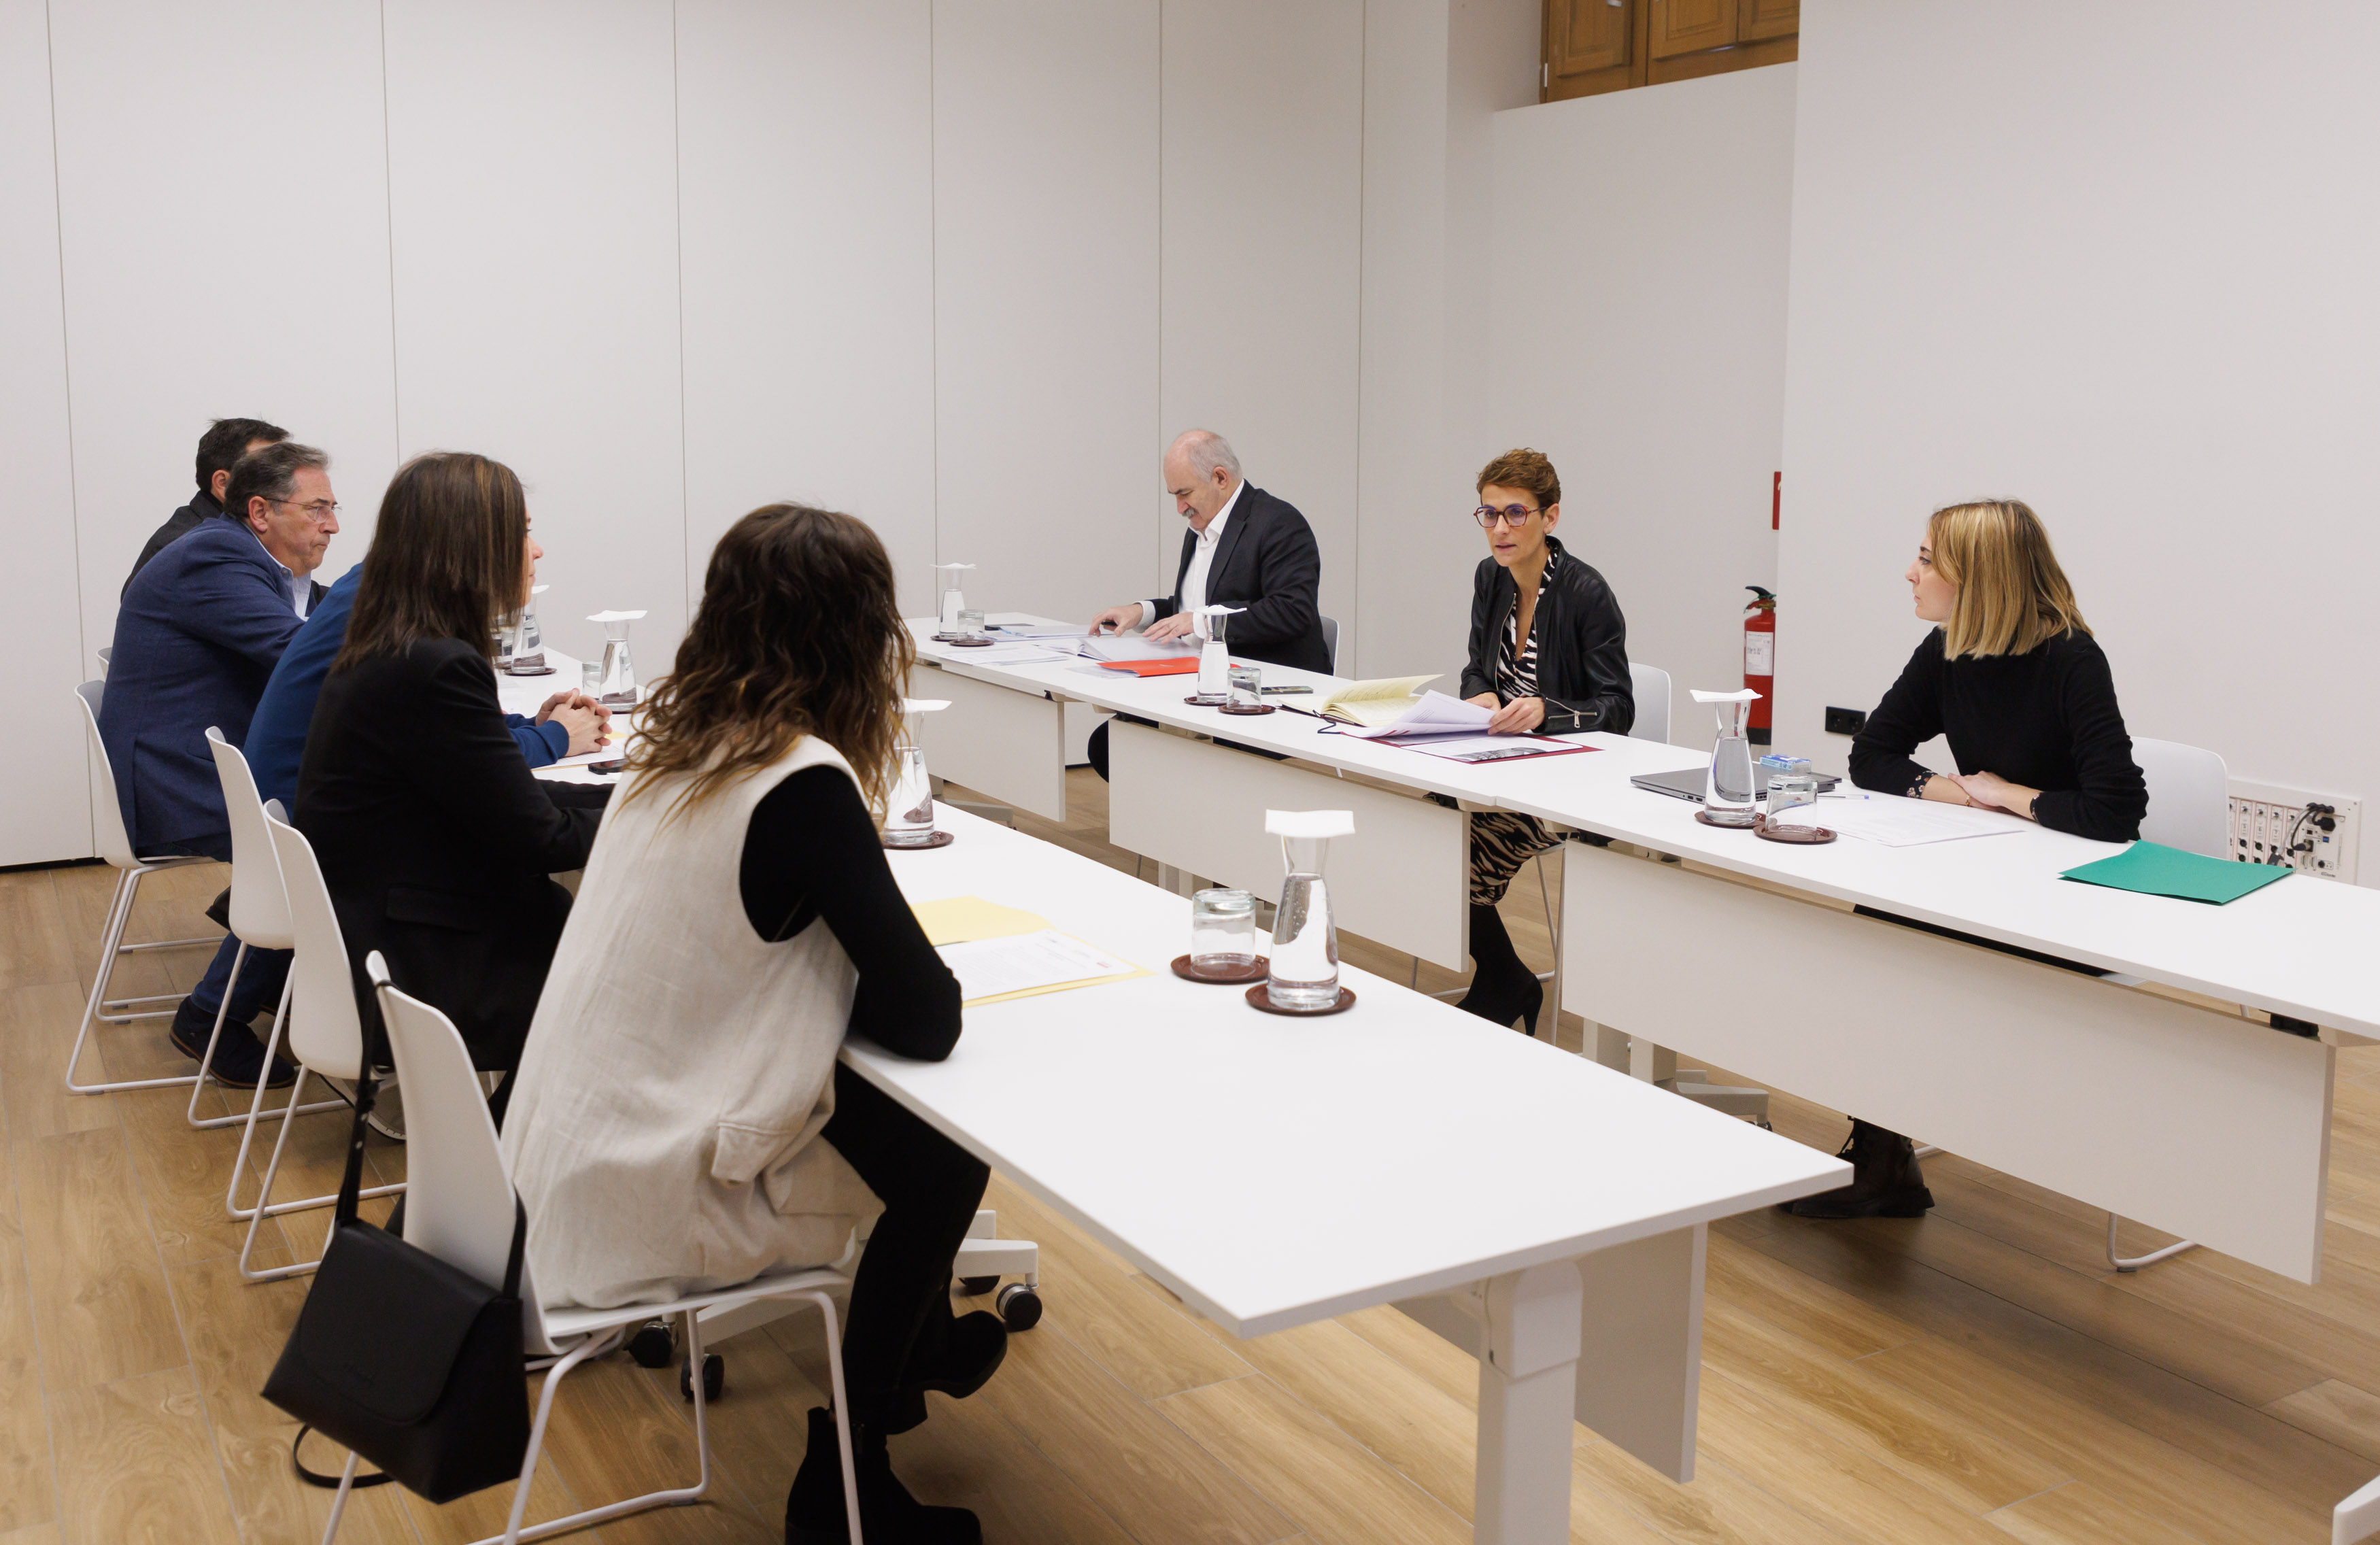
[436, 843]
[1582, 644]
[1264, 561]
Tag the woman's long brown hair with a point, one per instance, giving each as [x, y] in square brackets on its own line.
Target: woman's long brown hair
[799, 633]
[447, 557]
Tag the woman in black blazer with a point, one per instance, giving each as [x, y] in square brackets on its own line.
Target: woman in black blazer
[437, 844]
[1548, 654]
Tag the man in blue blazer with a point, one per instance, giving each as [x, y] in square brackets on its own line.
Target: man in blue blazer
[197, 635]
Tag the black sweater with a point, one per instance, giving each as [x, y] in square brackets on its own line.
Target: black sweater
[1582, 644]
[2046, 720]
[812, 851]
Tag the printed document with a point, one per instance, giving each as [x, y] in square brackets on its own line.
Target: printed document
[1896, 821]
[1431, 713]
[1027, 963]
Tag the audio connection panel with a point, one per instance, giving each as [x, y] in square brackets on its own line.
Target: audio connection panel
[2295, 828]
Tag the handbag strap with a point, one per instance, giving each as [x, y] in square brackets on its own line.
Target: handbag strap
[351, 1182]
[328, 1482]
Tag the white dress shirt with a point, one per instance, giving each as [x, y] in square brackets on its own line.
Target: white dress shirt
[300, 585]
[1202, 558]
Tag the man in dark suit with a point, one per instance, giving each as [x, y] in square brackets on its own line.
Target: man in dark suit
[197, 637]
[1244, 547]
[226, 440]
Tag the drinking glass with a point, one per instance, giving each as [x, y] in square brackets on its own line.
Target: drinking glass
[590, 678]
[971, 624]
[1795, 791]
[1247, 687]
[1222, 931]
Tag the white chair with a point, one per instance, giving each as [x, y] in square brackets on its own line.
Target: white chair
[259, 919]
[2189, 807]
[325, 1033]
[106, 652]
[115, 847]
[461, 1209]
[1650, 687]
[1330, 642]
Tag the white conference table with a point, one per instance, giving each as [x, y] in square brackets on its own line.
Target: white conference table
[1544, 1213]
[2198, 1120]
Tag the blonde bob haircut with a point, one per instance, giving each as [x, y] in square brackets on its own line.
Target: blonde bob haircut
[2012, 596]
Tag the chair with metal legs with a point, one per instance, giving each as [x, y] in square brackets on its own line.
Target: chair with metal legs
[115, 847]
[259, 919]
[461, 1209]
[325, 1032]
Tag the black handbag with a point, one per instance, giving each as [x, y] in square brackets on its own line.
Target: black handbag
[410, 1362]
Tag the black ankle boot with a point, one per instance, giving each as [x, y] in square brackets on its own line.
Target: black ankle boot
[888, 1515]
[969, 1352]
[1886, 1181]
[1503, 989]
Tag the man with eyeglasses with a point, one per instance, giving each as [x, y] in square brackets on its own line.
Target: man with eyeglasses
[197, 635]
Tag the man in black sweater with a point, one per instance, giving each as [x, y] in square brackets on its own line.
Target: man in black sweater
[1244, 547]
[226, 440]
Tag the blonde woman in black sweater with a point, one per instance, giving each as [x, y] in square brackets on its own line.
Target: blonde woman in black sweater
[2011, 675]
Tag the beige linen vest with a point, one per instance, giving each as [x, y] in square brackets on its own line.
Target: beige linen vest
[663, 1128]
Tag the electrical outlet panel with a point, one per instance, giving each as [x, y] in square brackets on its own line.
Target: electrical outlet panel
[2315, 832]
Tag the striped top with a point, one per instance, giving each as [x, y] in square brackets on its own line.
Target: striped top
[1516, 662]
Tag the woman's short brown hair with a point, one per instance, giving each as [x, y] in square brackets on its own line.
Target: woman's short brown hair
[448, 558]
[2013, 595]
[1523, 469]
[799, 633]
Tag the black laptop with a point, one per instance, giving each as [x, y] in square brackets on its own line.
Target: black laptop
[1687, 782]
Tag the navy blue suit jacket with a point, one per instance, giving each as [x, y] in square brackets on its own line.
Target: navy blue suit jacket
[196, 635]
[276, 737]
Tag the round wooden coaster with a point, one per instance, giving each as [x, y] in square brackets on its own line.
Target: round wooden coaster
[1247, 712]
[1260, 996]
[942, 839]
[1254, 971]
[531, 670]
[960, 642]
[1744, 825]
[1198, 700]
[1805, 836]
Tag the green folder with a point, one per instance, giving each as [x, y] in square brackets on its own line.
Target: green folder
[2154, 869]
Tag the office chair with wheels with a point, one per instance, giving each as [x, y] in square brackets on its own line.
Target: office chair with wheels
[461, 1209]
[115, 847]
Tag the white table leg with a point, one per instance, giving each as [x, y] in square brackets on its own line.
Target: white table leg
[1528, 1382]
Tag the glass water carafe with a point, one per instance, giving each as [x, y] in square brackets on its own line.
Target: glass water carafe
[619, 671]
[909, 818]
[1730, 795]
[1305, 967]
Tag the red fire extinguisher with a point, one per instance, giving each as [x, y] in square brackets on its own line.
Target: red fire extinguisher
[1760, 660]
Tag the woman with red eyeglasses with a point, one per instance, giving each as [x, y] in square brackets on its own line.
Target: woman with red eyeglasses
[1548, 655]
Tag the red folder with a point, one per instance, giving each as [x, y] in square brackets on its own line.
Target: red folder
[1179, 665]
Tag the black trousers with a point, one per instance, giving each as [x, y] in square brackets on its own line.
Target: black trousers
[901, 1295]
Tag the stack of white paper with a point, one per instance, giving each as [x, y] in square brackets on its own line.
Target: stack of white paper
[1132, 646]
[1432, 713]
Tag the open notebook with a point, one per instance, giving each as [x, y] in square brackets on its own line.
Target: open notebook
[1374, 704]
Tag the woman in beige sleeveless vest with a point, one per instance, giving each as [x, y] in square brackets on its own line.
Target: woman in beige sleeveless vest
[680, 1122]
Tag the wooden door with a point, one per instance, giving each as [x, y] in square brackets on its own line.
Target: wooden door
[1583, 35]
[1687, 26]
[1766, 18]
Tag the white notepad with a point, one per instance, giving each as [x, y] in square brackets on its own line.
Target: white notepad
[1896, 821]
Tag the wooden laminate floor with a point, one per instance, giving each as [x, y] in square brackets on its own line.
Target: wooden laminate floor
[1977, 1376]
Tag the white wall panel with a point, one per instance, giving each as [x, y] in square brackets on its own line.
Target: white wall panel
[2127, 281]
[1639, 341]
[533, 191]
[1263, 145]
[806, 217]
[1045, 300]
[47, 813]
[223, 211]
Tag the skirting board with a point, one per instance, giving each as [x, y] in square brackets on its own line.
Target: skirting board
[2205, 1124]
[1400, 881]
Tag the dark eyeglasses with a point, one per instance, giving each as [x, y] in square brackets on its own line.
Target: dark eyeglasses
[1514, 516]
